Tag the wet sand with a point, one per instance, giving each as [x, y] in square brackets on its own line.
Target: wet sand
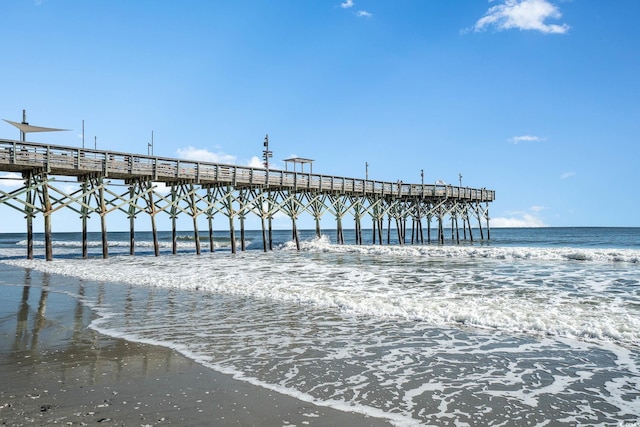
[55, 370]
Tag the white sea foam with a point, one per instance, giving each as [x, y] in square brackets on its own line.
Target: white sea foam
[482, 252]
[480, 287]
[428, 333]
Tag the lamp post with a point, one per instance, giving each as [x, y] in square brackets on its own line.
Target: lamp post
[460, 177]
[266, 154]
[150, 146]
[366, 171]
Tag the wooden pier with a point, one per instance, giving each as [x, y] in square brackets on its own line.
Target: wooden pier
[208, 189]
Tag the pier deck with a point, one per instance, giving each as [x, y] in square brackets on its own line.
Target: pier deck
[212, 188]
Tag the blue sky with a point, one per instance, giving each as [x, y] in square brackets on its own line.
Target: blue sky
[537, 99]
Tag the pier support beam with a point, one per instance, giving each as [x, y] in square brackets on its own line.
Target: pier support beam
[48, 238]
[194, 216]
[132, 216]
[231, 214]
[210, 213]
[173, 213]
[29, 209]
[84, 216]
[103, 219]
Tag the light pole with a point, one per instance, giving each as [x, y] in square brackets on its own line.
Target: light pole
[460, 177]
[150, 146]
[422, 177]
[366, 171]
[266, 154]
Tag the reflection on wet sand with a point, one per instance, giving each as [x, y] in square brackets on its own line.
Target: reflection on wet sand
[62, 331]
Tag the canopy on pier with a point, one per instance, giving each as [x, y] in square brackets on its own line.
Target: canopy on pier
[299, 160]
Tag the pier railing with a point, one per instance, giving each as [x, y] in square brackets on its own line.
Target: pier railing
[19, 156]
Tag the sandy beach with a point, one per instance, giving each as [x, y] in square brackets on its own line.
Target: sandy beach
[56, 370]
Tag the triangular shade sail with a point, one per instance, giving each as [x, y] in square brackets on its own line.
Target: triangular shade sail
[26, 128]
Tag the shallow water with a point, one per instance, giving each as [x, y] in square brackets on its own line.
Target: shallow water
[445, 335]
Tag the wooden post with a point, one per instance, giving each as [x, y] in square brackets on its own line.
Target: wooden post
[196, 234]
[270, 219]
[296, 237]
[270, 222]
[389, 229]
[264, 232]
[46, 202]
[84, 214]
[194, 216]
[480, 226]
[373, 230]
[414, 230]
[242, 242]
[452, 228]
[103, 220]
[399, 231]
[318, 230]
[487, 216]
[232, 235]
[152, 213]
[464, 227]
[174, 216]
[316, 216]
[232, 231]
[29, 214]
[212, 247]
[132, 238]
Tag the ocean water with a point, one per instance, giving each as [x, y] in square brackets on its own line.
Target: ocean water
[535, 327]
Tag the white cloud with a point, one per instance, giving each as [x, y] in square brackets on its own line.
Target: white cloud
[256, 162]
[11, 180]
[522, 15]
[525, 138]
[525, 220]
[347, 4]
[521, 219]
[567, 175]
[204, 155]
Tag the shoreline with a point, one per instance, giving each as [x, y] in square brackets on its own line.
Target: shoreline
[56, 370]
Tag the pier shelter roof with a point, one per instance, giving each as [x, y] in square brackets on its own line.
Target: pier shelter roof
[298, 160]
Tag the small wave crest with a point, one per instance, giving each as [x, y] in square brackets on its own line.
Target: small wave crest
[323, 244]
